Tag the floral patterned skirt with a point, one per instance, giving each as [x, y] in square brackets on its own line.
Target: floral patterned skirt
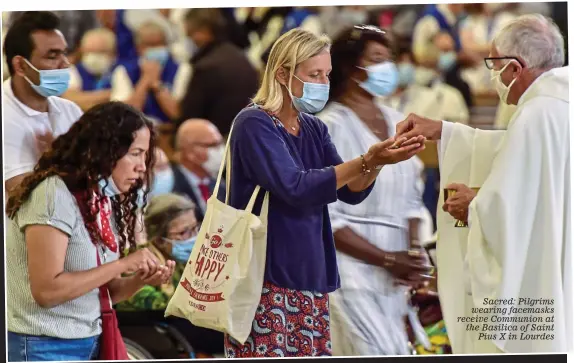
[288, 323]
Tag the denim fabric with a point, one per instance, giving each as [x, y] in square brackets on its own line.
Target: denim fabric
[29, 348]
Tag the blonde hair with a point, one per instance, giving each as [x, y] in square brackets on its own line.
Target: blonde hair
[290, 50]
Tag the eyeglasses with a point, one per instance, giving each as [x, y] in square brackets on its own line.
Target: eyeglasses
[188, 232]
[490, 61]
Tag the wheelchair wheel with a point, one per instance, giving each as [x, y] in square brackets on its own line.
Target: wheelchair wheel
[136, 351]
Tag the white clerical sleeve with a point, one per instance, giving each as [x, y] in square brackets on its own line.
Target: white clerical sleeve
[515, 242]
[465, 156]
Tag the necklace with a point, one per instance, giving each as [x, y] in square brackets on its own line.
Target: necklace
[298, 122]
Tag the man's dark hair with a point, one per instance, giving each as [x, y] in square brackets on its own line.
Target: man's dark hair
[210, 18]
[19, 40]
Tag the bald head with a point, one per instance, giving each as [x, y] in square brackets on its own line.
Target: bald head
[196, 131]
[100, 40]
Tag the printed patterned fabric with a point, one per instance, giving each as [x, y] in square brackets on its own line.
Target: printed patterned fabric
[287, 323]
[438, 339]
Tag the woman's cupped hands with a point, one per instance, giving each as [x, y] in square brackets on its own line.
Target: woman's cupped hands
[394, 150]
[145, 266]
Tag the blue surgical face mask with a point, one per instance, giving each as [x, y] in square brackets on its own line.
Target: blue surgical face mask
[162, 183]
[158, 54]
[406, 74]
[53, 82]
[111, 190]
[383, 79]
[180, 250]
[190, 46]
[446, 61]
[314, 98]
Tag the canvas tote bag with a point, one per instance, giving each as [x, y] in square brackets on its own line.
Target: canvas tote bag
[221, 285]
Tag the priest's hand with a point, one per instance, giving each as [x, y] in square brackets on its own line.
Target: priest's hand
[415, 125]
[457, 205]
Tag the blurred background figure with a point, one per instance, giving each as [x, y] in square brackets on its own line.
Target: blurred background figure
[223, 79]
[199, 150]
[415, 96]
[164, 180]
[437, 47]
[171, 232]
[154, 82]
[304, 17]
[477, 31]
[126, 23]
[263, 26]
[90, 77]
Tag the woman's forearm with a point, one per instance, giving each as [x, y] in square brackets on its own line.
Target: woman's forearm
[351, 174]
[168, 103]
[68, 286]
[137, 99]
[123, 288]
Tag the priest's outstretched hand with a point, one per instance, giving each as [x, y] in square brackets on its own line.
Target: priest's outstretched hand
[415, 125]
[457, 205]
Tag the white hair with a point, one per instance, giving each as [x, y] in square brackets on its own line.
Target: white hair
[105, 33]
[151, 26]
[534, 38]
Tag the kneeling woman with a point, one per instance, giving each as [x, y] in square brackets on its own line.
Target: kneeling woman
[69, 222]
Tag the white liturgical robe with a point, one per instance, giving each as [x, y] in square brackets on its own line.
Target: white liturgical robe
[517, 246]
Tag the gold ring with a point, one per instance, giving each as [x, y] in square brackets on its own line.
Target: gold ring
[414, 253]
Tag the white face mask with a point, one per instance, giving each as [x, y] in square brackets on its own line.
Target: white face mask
[424, 76]
[97, 63]
[501, 88]
[214, 156]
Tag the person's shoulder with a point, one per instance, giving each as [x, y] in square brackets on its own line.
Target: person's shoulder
[333, 113]
[252, 120]
[540, 115]
[252, 117]
[54, 188]
[71, 111]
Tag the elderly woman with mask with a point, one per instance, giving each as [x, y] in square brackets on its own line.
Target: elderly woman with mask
[171, 230]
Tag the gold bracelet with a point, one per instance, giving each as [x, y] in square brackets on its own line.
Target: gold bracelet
[364, 167]
[388, 258]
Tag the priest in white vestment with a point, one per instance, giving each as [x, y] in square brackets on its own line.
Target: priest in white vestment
[516, 251]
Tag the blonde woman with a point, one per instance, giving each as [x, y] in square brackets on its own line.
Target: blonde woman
[278, 144]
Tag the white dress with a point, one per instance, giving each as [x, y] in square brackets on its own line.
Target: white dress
[368, 312]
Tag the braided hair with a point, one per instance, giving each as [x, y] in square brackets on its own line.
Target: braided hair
[88, 153]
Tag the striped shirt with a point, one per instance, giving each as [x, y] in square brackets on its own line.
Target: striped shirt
[52, 204]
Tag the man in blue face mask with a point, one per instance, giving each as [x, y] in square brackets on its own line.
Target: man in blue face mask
[154, 82]
[34, 114]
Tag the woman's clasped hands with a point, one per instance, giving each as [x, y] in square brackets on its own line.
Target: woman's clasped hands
[145, 267]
